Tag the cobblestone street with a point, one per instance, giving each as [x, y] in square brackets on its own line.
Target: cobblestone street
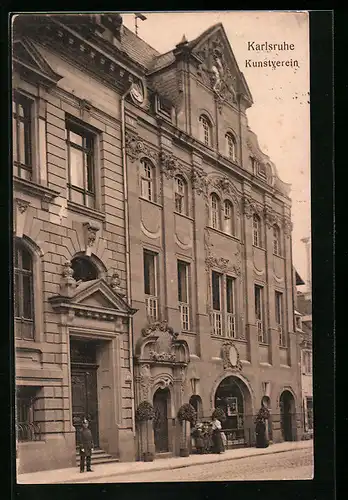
[295, 464]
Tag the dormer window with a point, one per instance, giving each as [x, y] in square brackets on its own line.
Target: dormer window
[205, 130]
[231, 146]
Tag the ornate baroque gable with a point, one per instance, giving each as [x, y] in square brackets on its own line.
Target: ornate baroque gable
[218, 68]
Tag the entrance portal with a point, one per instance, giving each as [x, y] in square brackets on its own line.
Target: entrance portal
[84, 386]
[287, 415]
[160, 423]
[229, 396]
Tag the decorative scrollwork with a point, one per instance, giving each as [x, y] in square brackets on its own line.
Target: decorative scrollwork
[136, 146]
[230, 356]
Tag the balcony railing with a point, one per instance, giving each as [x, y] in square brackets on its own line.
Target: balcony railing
[151, 305]
[28, 431]
[217, 323]
[184, 316]
[231, 325]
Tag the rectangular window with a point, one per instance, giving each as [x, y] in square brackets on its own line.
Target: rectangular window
[150, 284]
[259, 314]
[216, 291]
[27, 428]
[279, 318]
[230, 308]
[81, 158]
[183, 294]
[22, 136]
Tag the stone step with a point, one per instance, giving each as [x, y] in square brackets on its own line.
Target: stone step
[99, 456]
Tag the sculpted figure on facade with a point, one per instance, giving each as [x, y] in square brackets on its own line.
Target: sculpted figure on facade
[145, 381]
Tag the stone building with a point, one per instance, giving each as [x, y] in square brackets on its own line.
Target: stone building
[152, 242]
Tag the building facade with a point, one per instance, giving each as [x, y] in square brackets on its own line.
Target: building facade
[152, 242]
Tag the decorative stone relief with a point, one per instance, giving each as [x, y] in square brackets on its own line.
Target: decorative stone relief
[251, 206]
[145, 381]
[225, 187]
[20, 216]
[67, 282]
[214, 71]
[230, 356]
[224, 265]
[135, 147]
[90, 233]
[199, 181]
[288, 226]
[183, 379]
[271, 217]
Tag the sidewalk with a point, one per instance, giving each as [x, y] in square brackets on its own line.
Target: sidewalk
[72, 475]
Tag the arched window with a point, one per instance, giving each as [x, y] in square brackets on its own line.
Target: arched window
[276, 240]
[228, 217]
[147, 180]
[256, 230]
[205, 130]
[23, 292]
[84, 269]
[215, 211]
[231, 146]
[181, 204]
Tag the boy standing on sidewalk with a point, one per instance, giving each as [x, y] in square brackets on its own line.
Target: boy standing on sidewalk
[86, 447]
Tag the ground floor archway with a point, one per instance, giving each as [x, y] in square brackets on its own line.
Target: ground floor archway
[161, 404]
[287, 416]
[233, 396]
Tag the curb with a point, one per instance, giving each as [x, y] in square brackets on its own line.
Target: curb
[182, 466]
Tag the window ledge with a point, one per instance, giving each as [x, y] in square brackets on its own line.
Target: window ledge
[223, 337]
[277, 255]
[265, 344]
[150, 201]
[188, 332]
[260, 248]
[80, 209]
[183, 215]
[33, 188]
[231, 236]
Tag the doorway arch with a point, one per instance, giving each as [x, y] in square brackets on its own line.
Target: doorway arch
[233, 396]
[196, 402]
[287, 415]
[161, 404]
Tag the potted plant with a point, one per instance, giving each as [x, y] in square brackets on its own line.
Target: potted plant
[219, 414]
[186, 414]
[144, 413]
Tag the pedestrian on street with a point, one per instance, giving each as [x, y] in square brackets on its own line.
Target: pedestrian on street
[86, 447]
[217, 440]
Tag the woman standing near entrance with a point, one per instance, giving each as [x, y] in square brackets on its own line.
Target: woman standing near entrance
[217, 440]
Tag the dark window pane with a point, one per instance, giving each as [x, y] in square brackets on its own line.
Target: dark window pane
[216, 291]
[84, 269]
[17, 296]
[26, 260]
[27, 297]
[14, 138]
[229, 295]
[90, 179]
[21, 140]
[149, 274]
[182, 282]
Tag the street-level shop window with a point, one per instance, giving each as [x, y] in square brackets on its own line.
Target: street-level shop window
[27, 428]
[81, 164]
[23, 292]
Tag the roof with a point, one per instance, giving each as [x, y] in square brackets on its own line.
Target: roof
[137, 49]
[299, 280]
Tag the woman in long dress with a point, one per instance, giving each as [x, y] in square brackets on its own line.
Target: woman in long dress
[217, 440]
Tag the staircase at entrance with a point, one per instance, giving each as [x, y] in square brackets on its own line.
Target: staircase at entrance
[99, 456]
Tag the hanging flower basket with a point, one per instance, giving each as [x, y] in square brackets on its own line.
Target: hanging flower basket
[219, 414]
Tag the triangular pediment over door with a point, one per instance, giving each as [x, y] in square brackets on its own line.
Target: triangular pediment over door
[219, 68]
[94, 298]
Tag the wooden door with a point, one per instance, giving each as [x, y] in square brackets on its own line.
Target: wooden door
[85, 399]
[160, 403]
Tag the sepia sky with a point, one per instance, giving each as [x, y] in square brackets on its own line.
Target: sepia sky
[280, 113]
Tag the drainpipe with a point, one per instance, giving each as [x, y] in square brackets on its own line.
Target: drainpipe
[128, 273]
